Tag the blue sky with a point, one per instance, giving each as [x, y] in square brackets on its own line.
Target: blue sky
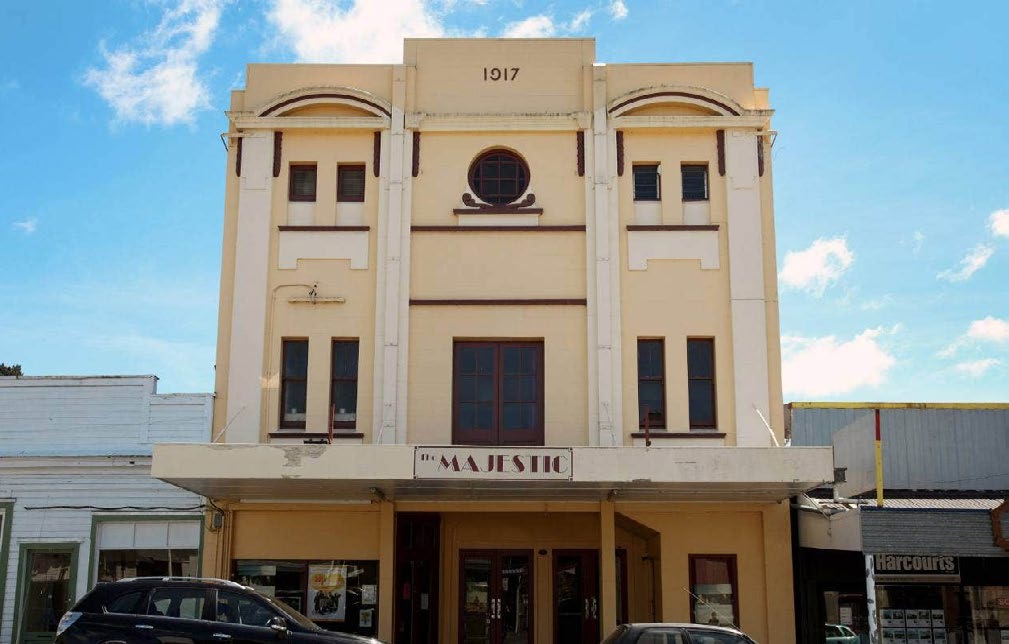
[891, 170]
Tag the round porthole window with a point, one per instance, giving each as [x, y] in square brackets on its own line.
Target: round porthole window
[499, 176]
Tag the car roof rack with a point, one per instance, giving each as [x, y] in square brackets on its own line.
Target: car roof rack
[224, 582]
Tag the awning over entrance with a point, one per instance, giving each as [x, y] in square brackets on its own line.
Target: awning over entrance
[408, 472]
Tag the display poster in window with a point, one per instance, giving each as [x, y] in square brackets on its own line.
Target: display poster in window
[369, 594]
[891, 618]
[845, 615]
[327, 592]
[1004, 636]
[938, 636]
[938, 618]
[366, 618]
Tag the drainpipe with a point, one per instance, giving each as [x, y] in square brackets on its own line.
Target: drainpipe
[870, 595]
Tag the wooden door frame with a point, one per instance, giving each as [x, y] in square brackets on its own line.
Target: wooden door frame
[581, 552]
[21, 587]
[496, 555]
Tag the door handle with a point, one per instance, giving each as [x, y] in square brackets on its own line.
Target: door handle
[595, 608]
[221, 636]
[586, 608]
[146, 627]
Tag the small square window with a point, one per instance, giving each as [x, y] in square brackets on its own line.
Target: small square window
[646, 182]
[350, 183]
[302, 185]
[695, 182]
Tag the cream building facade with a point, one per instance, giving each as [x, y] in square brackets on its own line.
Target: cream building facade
[498, 355]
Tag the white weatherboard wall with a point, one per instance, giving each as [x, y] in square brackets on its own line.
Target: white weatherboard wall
[86, 442]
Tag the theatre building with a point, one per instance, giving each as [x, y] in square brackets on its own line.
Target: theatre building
[498, 357]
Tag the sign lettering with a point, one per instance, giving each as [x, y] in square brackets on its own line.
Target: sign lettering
[500, 73]
[501, 463]
[916, 565]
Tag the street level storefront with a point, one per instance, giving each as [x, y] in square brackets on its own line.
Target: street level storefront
[937, 574]
[459, 544]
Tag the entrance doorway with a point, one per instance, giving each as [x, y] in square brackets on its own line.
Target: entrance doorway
[417, 564]
[576, 596]
[495, 596]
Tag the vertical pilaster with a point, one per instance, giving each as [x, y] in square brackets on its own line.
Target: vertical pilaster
[607, 568]
[603, 259]
[746, 285]
[249, 304]
[387, 553]
[780, 596]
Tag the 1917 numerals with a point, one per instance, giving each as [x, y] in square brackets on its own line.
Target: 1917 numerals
[500, 73]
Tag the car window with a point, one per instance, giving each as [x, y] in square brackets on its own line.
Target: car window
[615, 635]
[236, 608]
[846, 631]
[662, 636]
[832, 631]
[185, 603]
[128, 603]
[703, 636]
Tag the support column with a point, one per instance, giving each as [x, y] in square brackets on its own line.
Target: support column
[870, 599]
[249, 297]
[386, 569]
[746, 285]
[607, 569]
[778, 588]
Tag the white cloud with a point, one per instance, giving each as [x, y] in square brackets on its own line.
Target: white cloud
[919, 241]
[989, 329]
[877, 304]
[541, 26]
[824, 366]
[618, 10]
[580, 21]
[321, 31]
[998, 223]
[817, 267]
[157, 80]
[28, 226]
[974, 261]
[976, 368]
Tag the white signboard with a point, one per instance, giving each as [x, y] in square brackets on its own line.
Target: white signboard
[492, 463]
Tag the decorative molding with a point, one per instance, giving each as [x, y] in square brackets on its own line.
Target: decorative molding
[620, 153]
[497, 210]
[498, 122]
[416, 154]
[278, 144]
[500, 302]
[693, 96]
[518, 206]
[672, 227]
[760, 156]
[692, 122]
[509, 229]
[720, 142]
[580, 148]
[663, 434]
[317, 97]
[376, 156]
[238, 159]
[310, 122]
[323, 228]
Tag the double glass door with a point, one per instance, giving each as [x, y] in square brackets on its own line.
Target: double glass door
[576, 596]
[496, 597]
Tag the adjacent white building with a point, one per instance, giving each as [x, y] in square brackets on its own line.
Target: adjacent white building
[77, 503]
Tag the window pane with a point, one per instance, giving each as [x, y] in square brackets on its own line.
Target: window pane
[240, 609]
[529, 419]
[713, 579]
[47, 590]
[485, 416]
[485, 388]
[294, 401]
[467, 360]
[345, 399]
[467, 416]
[185, 603]
[702, 403]
[302, 183]
[185, 563]
[512, 388]
[128, 604]
[512, 359]
[485, 360]
[700, 358]
[650, 359]
[695, 182]
[120, 564]
[511, 416]
[466, 388]
[646, 183]
[345, 358]
[296, 358]
[529, 388]
[350, 183]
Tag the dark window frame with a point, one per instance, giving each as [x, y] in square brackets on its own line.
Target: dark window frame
[703, 424]
[534, 436]
[301, 167]
[333, 379]
[707, 183]
[731, 559]
[498, 157]
[341, 194]
[660, 379]
[639, 169]
[285, 379]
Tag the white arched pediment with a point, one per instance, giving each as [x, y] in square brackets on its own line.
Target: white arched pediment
[315, 96]
[715, 102]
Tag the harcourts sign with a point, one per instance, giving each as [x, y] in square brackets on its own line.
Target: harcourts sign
[492, 463]
[913, 565]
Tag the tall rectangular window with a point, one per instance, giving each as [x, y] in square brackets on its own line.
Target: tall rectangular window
[498, 393]
[646, 182]
[714, 595]
[293, 384]
[302, 183]
[695, 182]
[651, 384]
[701, 382]
[350, 182]
[343, 384]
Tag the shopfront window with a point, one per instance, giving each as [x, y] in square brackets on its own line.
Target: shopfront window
[146, 549]
[989, 613]
[714, 590]
[337, 595]
[920, 613]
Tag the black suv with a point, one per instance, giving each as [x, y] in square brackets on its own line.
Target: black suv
[151, 610]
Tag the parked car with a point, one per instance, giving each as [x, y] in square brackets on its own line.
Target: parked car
[840, 634]
[676, 634]
[149, 610]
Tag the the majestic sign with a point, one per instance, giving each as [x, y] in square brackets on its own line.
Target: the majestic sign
[493, 463]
